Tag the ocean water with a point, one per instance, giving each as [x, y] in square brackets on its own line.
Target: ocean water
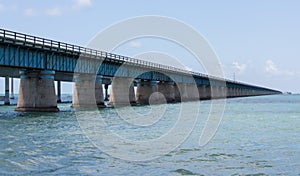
[257, 136]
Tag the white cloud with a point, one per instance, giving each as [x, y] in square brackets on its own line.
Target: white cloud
[56, 11]
[272, 69]
[82, 3]
[30, 12]
[240, 68]
[135, 44]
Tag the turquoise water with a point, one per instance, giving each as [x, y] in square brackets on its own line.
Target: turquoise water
[257, 136]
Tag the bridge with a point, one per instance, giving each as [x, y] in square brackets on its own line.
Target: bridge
[38, 62]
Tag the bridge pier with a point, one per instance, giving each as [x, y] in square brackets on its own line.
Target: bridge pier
[58, 92]
[168, 90]
[238, 92]
[230, 92]
[122, 92]
[215, 93]
[247, 92]
[223, 92]
[186, 92]
[147, 93]
[6, 97]
[12, 95]
[192, 92]
[208, 92]
[177, 94]
[244, 92]
[182, 88]
[88, 91]
[235, 92]
[201, 91]
[37, 92]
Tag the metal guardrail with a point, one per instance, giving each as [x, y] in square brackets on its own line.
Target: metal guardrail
[34, 41]
[29, 40]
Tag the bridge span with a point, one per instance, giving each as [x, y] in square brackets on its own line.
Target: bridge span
[38, 62]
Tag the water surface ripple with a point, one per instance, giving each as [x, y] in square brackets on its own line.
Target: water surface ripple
[258, 136]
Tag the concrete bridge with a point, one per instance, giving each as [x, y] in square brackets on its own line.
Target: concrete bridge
[38, 62]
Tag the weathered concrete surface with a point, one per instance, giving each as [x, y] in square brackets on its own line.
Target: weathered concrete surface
[223, 92]
[168, 90]
[182, 92]
[192, 92]
[58, 92]
[122, 92]
[186, 92]
[215, 92]
[37, 92]
[230, 92]
[6, 97]
[204, 92]
[177, 93]
[88, 91]
[147, 93]
[12, 95]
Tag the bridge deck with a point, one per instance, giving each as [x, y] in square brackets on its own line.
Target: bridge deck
[20, 51]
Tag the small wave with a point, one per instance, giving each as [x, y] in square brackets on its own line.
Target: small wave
[185, 172]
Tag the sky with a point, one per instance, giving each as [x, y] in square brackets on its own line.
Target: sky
[257, 41]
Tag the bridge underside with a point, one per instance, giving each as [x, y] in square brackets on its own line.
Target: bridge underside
[37, 90]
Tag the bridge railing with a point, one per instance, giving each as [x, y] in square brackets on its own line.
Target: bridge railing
[38, 42]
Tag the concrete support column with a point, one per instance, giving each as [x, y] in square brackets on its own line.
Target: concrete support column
[58, 92]
[37, 92]
[241, 92]
[236, 92]
[201, 91]
[6, 97]
[12, 95]
[204, 92]
[254, 92]
[88, 91]
[122, 92]
[168, 90]
[228, 94]
[182, 88]
[208, 92]
[106, 92]
[192, 92]
[177, 93]
[231, 92]
[223, 92]
[147, 93]
[248, 92]
[215, 92]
